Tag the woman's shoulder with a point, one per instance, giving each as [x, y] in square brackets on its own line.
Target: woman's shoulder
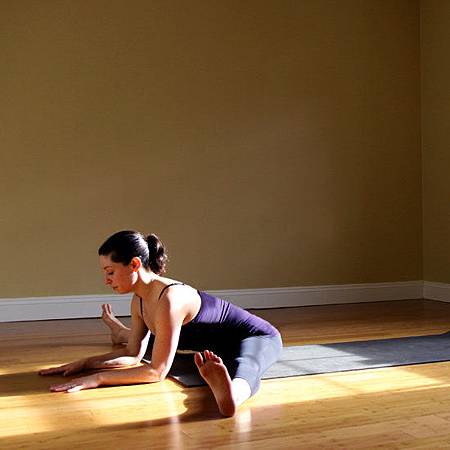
[165, 285]
[176, 290]
[179, 298]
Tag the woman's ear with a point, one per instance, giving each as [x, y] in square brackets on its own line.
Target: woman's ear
[136, 264]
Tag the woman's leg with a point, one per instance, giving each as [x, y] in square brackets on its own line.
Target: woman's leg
[232, 388]
[119, 332]
[256, 355]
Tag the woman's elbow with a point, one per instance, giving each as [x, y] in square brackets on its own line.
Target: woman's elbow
[133, 352]
[155, 375]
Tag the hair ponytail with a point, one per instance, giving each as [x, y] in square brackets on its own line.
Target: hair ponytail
[157, 256]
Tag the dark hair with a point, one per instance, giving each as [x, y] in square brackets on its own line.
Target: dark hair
[123, 246]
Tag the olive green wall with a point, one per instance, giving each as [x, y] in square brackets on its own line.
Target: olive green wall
[268, 143]
[435, 31]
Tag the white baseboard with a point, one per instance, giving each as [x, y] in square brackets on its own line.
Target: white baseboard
[83, 306]
[61, 307]
[323, 295]
[436, 291]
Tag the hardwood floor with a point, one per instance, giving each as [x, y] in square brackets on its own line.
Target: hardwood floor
[403, 407]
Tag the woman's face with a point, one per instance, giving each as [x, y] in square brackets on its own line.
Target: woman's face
[121, 278]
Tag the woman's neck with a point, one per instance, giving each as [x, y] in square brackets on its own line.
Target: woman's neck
[145, 283]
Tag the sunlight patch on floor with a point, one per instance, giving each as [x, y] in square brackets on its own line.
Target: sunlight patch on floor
[45, 412]
[87, 409]
[345, 384]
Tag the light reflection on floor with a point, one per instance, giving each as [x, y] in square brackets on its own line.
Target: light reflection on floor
[34, 413]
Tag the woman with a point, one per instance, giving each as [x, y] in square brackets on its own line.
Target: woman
[167, 315]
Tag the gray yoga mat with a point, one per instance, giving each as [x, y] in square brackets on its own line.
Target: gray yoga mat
[339, 357]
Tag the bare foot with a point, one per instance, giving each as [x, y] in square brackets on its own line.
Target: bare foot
[119, 332]
[214, 372]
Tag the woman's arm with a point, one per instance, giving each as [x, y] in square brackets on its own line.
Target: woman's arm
[124, 357]
[118, 356]
[134, 350]
[136, 375]
[168, 320]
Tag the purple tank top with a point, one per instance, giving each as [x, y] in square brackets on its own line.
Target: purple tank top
[221, 321]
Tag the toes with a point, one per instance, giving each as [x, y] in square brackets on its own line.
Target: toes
[107, 310]
[210, 356]
[198, 358]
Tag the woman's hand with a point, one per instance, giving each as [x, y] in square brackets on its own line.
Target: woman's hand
[66, 369]
[77, 384]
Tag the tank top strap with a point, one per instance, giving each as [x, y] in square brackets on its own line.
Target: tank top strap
[160, 294]
[168, 286]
